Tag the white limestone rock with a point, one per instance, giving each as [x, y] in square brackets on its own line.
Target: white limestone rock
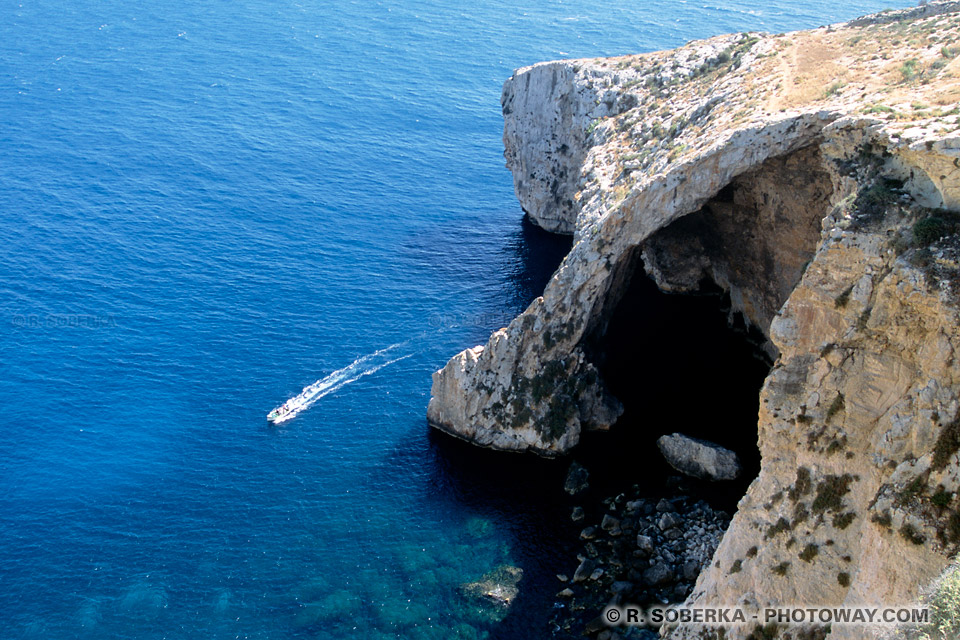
[699, 458]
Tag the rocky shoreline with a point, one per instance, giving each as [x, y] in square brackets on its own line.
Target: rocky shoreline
[636, 550]
[814, 177]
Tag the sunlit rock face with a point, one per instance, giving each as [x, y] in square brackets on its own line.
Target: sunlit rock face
[818, 184]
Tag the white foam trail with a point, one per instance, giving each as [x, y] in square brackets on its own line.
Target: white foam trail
[337, 380]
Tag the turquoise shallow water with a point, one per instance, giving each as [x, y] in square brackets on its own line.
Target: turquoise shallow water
[206, 206]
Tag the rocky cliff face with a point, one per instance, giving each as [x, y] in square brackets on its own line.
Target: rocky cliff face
[858, 419]
[815, 176]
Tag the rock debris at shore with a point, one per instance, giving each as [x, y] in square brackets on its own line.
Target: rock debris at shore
[638, 551]
[814, 176]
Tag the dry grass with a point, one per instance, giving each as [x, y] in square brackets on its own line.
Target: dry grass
[903, 72]
[868, 63]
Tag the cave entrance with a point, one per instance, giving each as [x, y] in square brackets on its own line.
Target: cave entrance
[677, 365]
[693, 360]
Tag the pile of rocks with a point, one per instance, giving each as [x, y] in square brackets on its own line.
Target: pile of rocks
[637, 551]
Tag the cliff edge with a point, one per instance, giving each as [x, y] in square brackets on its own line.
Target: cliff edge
[815, 176]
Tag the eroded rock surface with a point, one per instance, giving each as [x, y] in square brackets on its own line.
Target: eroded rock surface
[816, 177]
[698, 458]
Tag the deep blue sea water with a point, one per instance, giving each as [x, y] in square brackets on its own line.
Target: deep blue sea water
[205, 206]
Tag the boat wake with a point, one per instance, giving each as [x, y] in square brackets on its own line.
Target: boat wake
[363, 366]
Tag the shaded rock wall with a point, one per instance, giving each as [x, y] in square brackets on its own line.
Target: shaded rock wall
[754, 238]
[721, 159]
[851, 417]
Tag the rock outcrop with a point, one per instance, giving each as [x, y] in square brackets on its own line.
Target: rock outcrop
[698, 458]
[499, 587]
[815, 176]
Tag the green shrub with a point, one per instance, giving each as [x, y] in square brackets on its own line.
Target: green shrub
[948, 442]
[559, 412]
[800, 513]
[843, 520]
[841, 300]
[801, 486]
[843, 579]
[781, 569]
[677, 126]
[941, 498]
[766, 632]
[879, 108]
[830, 493]
[836, 406]
[916, 487]
[837, 444]
[909, 533]
[809, 552]
[929, 230]
[944, 606]
[873, 202]
[953, 528]
[834, 89]
[883, 519]
[910, 69]
[779, 527]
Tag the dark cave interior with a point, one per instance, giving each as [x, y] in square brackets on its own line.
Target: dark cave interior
[677, 365]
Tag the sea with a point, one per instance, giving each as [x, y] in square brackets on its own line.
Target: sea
[205, 207]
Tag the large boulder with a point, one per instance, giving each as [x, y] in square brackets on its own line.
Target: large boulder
[578, 479]
[699, 458]
[498, 587]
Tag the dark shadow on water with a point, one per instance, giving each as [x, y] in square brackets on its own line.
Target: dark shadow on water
[677, 366]
[535, 255]
[521, 491]
[521, 495]
[525, 494]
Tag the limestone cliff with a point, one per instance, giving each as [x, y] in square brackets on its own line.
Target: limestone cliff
[816, 177]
